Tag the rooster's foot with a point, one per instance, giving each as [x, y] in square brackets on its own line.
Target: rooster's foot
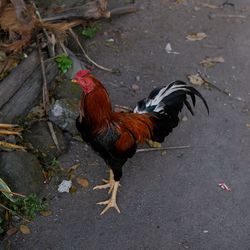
[112, 201]
[109, 183]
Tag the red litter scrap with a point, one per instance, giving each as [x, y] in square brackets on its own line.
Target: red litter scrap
[224, 186]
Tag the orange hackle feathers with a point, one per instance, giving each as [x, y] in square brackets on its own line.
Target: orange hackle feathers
[134, 128]
[96, 107]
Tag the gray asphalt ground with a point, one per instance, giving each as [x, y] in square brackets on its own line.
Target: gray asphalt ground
[167, 201]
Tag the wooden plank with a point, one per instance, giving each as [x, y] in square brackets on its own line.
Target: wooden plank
[28, 95]
[12, 83]
[91, 10]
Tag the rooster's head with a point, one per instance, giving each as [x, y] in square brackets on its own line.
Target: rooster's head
[85, 80]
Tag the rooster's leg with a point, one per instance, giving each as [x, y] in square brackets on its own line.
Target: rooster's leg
[112, 201]
[109, 184]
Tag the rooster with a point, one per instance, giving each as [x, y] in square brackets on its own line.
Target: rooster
[115, 135]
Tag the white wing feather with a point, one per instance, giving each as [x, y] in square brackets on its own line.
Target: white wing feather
[157, 101]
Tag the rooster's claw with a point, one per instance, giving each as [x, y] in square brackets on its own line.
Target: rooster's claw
[110, 203]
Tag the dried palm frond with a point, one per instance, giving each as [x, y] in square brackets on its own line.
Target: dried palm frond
[25, 31]
[2, 5]
[10, 129]
[10, 24]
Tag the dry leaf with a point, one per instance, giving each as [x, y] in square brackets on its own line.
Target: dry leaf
[71, 176]
[210, 6]
[180, 1]
[36, 113]
[210, 62]
[195, 79]
[46, 213]
[248, 125]
[74, 167]
[11, 231]
[169, 50]
[24, 229]
[78, 138]
[154, 144]
[196, 36]
[73, 189]
[164, 152]
[83, 182]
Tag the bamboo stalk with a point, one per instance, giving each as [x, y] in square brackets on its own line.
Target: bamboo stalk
[6, 126]
[11, 145]
[7, 132]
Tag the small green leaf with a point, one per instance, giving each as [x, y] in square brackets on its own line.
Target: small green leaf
[64, 63]
[4, 186]
[90, 32]
[28, 206]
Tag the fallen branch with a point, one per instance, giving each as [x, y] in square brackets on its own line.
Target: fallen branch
[53, 135]
[45, 84]
[50, 40]
[87, 57]
[8, 209]
[140, 150]
[212, 85]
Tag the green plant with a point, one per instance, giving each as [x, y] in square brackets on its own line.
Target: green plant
[64, 63]
[54, 163]
[90, 31]
[28, 206]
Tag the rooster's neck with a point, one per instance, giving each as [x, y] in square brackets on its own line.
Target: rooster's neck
[96, 109]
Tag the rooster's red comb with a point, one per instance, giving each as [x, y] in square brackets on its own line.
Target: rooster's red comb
[82, 73]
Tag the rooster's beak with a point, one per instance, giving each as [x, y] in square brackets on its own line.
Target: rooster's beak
[74, 81]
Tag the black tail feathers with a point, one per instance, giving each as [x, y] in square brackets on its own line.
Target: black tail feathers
[165, 104]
